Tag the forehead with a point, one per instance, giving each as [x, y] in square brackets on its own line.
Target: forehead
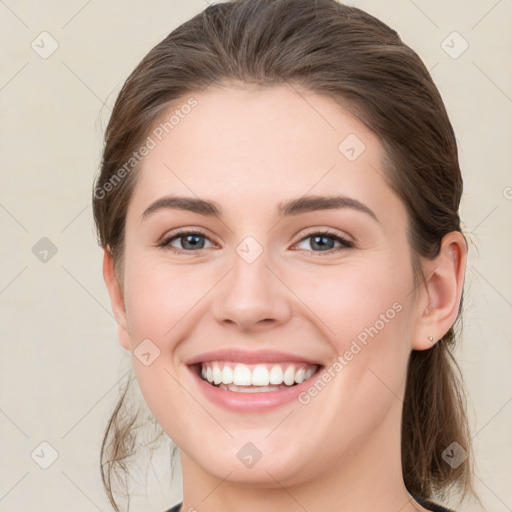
[246, 146]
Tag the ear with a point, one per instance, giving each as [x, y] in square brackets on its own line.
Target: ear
[438, 308]
[116, 299]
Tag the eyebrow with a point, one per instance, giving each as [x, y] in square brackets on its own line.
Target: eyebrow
[304, 204]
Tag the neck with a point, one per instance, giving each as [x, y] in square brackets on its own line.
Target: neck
[368, 477]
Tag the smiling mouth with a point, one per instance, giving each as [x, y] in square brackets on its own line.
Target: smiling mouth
[254, 378]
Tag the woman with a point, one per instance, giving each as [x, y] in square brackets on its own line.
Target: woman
[278, 206]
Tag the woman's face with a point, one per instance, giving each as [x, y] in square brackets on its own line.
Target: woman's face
[275, 278]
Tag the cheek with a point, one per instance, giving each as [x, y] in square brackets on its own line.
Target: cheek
[353, 298]
[364, 313]
[160, 302]
[159, 295]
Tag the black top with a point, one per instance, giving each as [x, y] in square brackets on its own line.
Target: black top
[424, 503]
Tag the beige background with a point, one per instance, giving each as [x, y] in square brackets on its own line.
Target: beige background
[60, 361]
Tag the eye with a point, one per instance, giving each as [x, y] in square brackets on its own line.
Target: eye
[325, 240]
[190, 241]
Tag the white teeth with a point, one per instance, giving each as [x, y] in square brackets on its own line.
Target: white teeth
[242, 375]
[289, 376]
[309, 373]
[299, 375]
[251, 389]
[265, 377]
[227, 375]
[276, 375]
[260, 376]
[217, 374]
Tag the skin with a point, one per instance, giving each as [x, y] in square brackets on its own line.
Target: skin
[247, 149]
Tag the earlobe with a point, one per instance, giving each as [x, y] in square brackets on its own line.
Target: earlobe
[116, 299]
[443, 286]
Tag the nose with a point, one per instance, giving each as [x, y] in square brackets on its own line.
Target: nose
[252, 297]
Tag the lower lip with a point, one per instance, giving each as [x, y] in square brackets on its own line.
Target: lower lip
[251, 402]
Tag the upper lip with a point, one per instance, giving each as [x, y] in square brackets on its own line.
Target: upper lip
[246, 356]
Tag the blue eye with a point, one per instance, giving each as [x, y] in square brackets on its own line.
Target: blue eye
[325, 242]
[192, 241]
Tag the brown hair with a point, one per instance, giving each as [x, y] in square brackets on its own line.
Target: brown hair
[355, 59]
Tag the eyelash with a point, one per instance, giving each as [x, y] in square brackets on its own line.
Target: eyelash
[345, 244]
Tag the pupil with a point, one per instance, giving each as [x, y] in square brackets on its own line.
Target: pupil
[189, 240]
[323, 243]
